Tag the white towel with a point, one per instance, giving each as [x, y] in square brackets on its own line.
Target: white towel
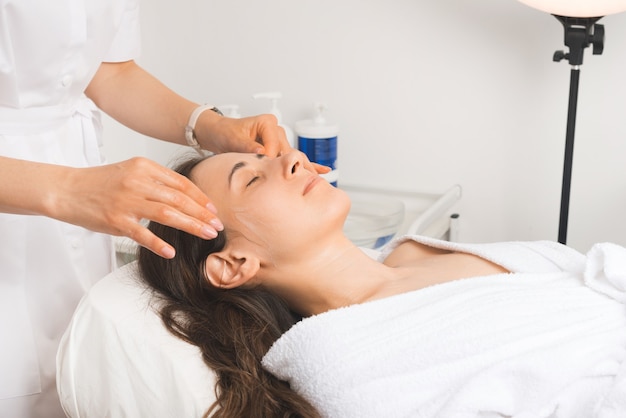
[537, 343]
[606, 271]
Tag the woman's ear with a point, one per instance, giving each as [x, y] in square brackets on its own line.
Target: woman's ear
[228, 269]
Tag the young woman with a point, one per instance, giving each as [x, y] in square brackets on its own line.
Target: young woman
[283, 255]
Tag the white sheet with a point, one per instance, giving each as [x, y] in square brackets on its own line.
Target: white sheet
[537, 343]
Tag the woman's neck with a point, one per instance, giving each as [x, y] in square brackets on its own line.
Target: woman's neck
[331, 277]
[335, 273]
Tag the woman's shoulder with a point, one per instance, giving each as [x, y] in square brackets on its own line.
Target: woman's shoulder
[515, 256]
[410, 250]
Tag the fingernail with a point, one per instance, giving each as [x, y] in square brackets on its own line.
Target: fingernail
[210, 206]
[217, 224]
[208, 233]
[168, 252]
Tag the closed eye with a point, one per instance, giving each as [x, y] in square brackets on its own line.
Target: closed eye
[255, 178]
[237, 167]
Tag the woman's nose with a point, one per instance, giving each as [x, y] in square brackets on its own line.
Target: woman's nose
[293, 162]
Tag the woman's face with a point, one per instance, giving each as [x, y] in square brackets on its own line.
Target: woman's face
[273, 202]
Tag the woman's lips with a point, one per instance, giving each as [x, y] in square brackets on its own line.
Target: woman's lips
[311, 183]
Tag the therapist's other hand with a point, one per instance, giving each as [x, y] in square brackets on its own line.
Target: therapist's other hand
[114, 199]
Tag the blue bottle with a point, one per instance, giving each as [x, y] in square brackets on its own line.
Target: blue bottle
[318, 140]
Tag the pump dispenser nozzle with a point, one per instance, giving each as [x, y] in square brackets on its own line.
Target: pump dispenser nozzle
[319, 116]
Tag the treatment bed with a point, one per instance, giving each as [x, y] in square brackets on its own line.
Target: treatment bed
[118, 360]
[508, 346]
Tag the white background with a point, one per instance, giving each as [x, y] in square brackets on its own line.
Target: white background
[427, 94]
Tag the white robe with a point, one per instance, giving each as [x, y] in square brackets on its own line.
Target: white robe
[49, 51]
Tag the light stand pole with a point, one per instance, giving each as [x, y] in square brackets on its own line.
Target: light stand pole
[580, 32]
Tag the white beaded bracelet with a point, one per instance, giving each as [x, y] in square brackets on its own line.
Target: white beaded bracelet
[190, 134]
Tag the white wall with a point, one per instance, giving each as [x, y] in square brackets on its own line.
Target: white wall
[427, 94]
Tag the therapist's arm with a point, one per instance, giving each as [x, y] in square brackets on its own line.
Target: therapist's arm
[112, 199]
[135, 98]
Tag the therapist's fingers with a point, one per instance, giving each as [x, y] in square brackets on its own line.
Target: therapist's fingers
[173, 201]
[144, 237]
[320, 169]
[115, 198]
[274, 139]
[264, 129]
[256, 134]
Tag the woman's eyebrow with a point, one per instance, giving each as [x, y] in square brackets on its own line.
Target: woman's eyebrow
[239, 165]
[234, 170]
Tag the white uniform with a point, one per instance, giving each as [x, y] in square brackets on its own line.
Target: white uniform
[49, 51]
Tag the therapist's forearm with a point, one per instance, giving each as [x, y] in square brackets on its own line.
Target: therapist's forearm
[27, 187]
[138, 100]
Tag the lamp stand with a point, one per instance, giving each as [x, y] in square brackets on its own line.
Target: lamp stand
[580, 32]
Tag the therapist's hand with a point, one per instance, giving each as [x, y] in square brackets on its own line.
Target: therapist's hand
[114, 199]
[256, 134]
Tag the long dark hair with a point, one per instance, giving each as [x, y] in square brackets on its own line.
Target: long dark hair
[233, 328]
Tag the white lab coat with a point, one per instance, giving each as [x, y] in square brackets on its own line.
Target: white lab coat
[49, 51]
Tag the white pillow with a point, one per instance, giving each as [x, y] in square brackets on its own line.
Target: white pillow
[116, 359]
